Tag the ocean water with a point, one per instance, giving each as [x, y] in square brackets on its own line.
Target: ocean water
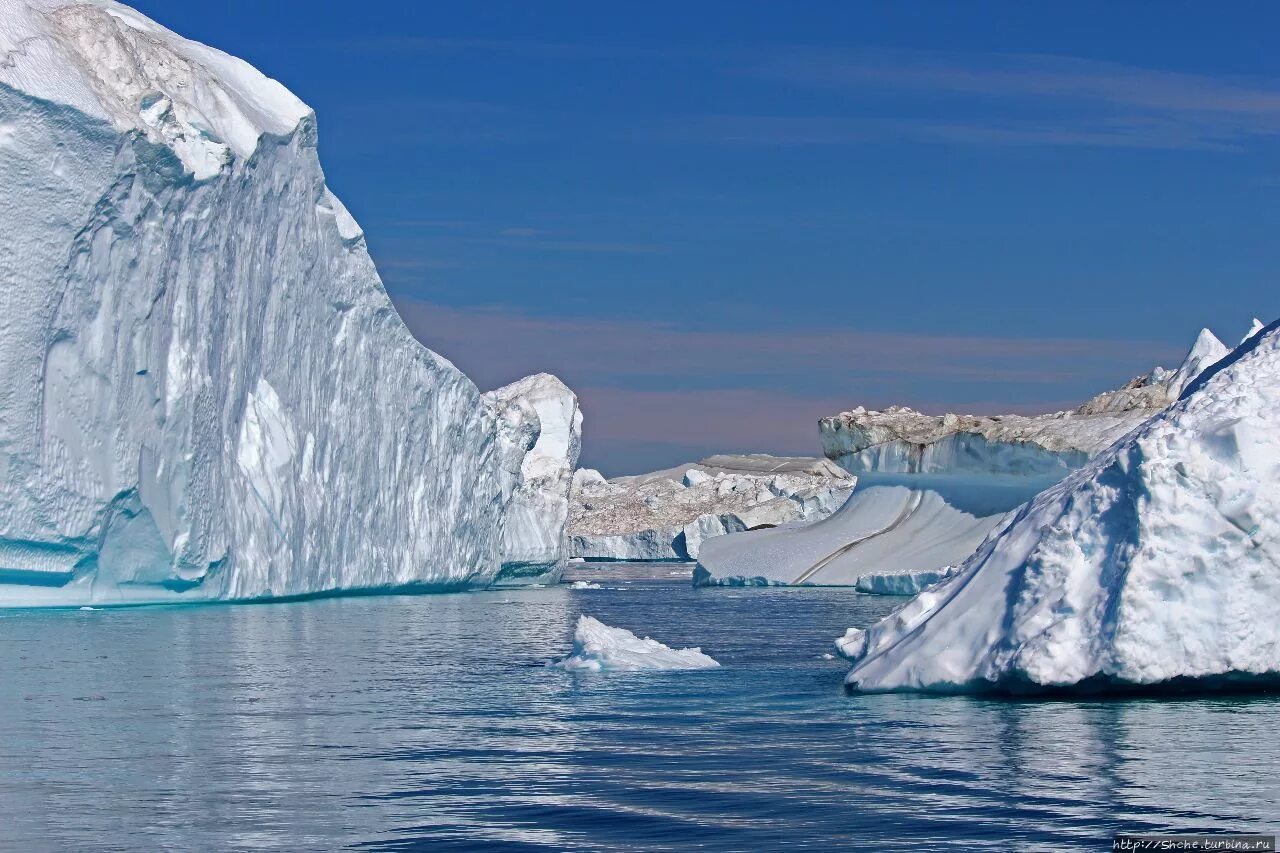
[432, 722]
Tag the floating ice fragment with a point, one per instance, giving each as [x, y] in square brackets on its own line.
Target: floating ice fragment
[598, 648]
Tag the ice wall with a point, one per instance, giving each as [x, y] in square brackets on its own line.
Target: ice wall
[901, 440]
[204, 389]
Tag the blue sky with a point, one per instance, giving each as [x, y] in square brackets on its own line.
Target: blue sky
[721, 220]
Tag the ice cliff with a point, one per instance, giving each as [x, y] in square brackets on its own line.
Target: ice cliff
[670, 514]
[542, 428]
[205, 392]
[1158, 562]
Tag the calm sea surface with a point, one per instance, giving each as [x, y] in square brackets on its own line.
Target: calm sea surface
[432, 722]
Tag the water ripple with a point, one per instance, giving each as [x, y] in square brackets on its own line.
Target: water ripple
[409, 722]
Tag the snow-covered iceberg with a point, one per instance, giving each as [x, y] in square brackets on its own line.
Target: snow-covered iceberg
[598, 647]
[671, 514]
[931, 488]
[205, 392]
[542, 423]
[1158, 562]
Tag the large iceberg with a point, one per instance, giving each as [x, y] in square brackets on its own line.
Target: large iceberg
[1158, 562]
[598, 647]
[544, 421]
[205, 392]
[671, 514]
[931, 488]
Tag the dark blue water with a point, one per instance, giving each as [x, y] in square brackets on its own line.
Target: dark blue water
[431, 722]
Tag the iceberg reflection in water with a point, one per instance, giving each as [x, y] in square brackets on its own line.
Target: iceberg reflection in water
[433, 720]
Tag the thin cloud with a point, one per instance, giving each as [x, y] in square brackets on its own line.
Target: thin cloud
[1034, 75]
[621, 349]
[1147, 133]
[1011, 99]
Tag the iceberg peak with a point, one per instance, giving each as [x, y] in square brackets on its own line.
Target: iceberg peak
[111, 62]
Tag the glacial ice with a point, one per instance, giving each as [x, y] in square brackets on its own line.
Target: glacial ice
[1158, 562]
[598, 647]
[901, 583]
[543, 423]
[1206, 350]
[206, 393]
[903, 524]
[670, 514]
[931, 488]
[901, 440]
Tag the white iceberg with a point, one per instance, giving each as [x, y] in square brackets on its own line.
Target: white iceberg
[900, 525]
[670, 514]
[205, 392]
[600, 648]
[901, 440]
[931, 488]
[542, 423]
[901, 583]
[1158, 562]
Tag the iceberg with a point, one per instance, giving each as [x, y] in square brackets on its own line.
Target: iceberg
[907, 525]
[598, 647]
[670, 514]
[932, 488]
[901, 583]
[1156, 564]
[901, 440]
[205, 391]
[542, 425]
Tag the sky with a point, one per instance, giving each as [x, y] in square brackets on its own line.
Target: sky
[719, 221]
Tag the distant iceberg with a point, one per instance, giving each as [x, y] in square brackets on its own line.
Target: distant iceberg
[600, 648]
[1157, 563]
[669, 515]
[932, 488]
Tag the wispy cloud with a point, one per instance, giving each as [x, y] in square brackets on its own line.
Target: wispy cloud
[1009, 99]
[533, 48]
[1033, 75]
[1110, 132]
[867, 95]
[616, 349]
